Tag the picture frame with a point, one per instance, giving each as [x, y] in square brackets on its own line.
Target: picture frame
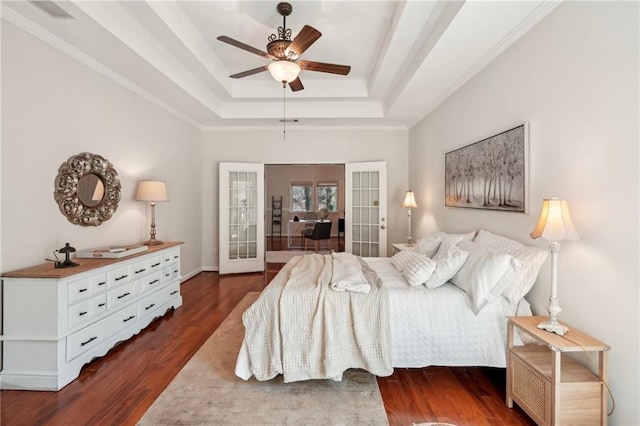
[491, 174]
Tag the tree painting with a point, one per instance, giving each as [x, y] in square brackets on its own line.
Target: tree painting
[489, 174]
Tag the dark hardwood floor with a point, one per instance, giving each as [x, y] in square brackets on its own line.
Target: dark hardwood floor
[118, 388]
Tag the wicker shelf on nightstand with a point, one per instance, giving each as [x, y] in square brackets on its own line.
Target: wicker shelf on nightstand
[549, 385]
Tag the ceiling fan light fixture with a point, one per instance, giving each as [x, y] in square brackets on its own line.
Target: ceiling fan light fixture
[284, 71]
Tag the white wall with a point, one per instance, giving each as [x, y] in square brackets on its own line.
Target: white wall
[574, 78]
[53, 107]
[302, 146]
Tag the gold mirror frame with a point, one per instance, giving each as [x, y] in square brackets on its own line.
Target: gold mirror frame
[69, 200]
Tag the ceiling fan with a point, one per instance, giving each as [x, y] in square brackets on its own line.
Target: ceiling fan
[285, 53]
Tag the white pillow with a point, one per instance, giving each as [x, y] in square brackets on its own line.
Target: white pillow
[448, 260]
[400, 259]
[531, 258]
[455, 238]
[428, 245]
[418, 269]
[485, 274]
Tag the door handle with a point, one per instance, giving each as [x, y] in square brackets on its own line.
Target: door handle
[383, 227]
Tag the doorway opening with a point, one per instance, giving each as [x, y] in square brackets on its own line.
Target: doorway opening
[297, 196]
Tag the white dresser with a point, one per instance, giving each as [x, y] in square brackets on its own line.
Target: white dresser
[57, 320]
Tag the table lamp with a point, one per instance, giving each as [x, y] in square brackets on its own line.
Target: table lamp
[554, 225]
[409, 203]
[152, 191]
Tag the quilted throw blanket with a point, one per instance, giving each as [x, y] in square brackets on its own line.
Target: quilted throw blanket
[303, 329]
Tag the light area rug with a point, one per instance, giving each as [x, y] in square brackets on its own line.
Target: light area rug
[207, 392]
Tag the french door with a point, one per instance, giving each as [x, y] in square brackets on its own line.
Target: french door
[241, 210]
[366, 208]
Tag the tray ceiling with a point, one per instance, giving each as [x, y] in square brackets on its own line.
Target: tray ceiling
[406, 57]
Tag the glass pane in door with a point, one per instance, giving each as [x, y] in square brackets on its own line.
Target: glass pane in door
[243, 199]
[364, 212]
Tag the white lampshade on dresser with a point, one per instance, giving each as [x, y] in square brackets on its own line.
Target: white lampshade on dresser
[152, 191]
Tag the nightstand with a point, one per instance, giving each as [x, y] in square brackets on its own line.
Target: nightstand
[548, 384]
[401, 246]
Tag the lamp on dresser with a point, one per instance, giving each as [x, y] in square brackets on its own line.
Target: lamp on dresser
[153, 192]
[409, 203]
[555, 226]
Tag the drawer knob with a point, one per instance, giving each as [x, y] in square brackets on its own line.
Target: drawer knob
[122, 277]
[124, 295]
[82, 313]
[154, 282]
[102, 283]
[129, 319]
[82, 290]
[155, 264]
[174, 292]
[100, 305]
[141, 270]
[150, 306]
[88, 341]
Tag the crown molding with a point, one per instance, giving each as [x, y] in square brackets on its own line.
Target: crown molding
[57, 43]
[542, 10]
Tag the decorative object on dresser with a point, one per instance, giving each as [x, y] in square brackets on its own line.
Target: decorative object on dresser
[551, 386]
[112, 252]
[409, 203]
[554, 225]
[87, 189]
[67, 263]
[152, 191]
[57, 320]
[491, 174]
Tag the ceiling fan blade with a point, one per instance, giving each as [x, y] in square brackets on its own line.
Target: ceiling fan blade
[246, 47]
[305, 38]
[322, 67]
[296, 85]
[249, 72]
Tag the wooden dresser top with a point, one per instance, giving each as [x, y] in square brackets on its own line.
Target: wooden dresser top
[48, 270]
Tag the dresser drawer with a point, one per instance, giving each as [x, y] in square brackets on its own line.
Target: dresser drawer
[167, 274]
[95, 334]
[79, 290]
[152, 302]
[98, 304]
[172, 256]
[98, 283]
[150, 282]
[118, 277]
[79, 313]
[155, 263]
[121, 295]
[138, 269]
[84, 311]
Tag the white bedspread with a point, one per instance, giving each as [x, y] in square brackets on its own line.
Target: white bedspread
[299, 327]
[436, 327]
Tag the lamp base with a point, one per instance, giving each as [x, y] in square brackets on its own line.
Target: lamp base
[152, 242]
[552, 327]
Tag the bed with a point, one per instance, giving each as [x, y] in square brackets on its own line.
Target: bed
[423, 307]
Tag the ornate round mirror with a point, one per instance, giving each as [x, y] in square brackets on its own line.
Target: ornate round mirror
[87, 189]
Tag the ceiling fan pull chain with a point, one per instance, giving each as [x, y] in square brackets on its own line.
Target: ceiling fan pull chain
[284, 111]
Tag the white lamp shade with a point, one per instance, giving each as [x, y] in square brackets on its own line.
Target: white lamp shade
[409, 201]
[284, 71]
[555, 222]
[151, 190]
